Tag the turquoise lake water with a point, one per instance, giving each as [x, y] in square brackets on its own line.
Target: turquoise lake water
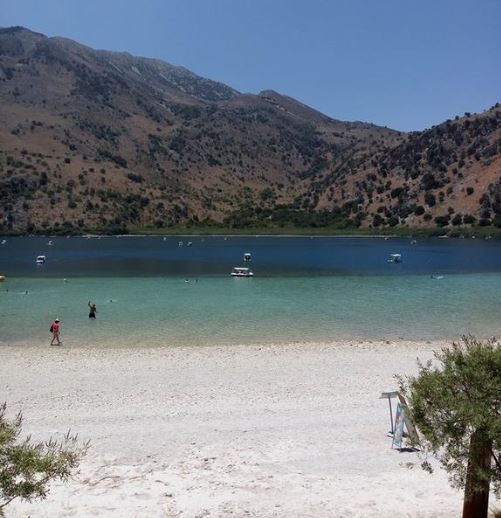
[151, 291]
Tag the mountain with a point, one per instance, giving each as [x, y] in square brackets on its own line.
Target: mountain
[448, 176]
[93, 140]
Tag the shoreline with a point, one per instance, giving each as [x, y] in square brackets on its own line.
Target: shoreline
[286, 430]
[202, 234]
[418, 232]
[354, 343]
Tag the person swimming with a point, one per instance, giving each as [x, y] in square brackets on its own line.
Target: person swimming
[92, 310]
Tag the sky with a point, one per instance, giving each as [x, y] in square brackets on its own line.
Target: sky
[399, 63]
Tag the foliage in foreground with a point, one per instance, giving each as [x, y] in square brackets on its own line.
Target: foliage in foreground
[27, 467]
[457, 407]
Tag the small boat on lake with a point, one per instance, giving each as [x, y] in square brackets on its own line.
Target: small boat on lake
[2, 278]
[395, 258]
[247, 257]
[241, 272]
[41, 259]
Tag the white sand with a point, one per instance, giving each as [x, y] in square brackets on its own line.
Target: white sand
[285, 431]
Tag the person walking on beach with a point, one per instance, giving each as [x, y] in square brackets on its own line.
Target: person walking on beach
[55, 329]
[92, 310]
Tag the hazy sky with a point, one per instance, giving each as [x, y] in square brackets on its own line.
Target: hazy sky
[400, 63]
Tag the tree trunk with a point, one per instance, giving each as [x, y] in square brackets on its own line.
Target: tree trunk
[476, 494]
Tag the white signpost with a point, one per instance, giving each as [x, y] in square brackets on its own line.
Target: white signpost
[401, 419]
[398, 435]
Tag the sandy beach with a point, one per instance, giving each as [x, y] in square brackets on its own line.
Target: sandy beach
[292, 430]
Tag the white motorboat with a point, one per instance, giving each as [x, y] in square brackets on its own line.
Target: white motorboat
[241, 272]
[395, 258]
[247, 257]
[41, 259]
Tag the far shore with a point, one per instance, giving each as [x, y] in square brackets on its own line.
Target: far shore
[288, 430]
[216, 231]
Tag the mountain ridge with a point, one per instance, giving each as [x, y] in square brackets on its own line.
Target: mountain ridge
[106, 141]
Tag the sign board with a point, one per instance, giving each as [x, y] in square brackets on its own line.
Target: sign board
[399, 426]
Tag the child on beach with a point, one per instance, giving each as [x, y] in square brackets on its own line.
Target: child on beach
[55, 329]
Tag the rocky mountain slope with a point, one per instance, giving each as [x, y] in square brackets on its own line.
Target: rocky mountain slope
[97, 140]
[447, 176]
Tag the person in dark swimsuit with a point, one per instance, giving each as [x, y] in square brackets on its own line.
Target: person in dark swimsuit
[92, 310]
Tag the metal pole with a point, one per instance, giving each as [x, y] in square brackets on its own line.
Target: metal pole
[391, 415]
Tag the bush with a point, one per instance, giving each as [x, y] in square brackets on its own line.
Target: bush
[27, 467]
[419, 210]
[430, 199]
[377, 221]
[470, 191]
[137, 178]
[484, 222]
[398, 191]
[428, 181]
[442, 221]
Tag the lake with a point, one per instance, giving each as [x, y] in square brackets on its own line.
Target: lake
[177, 290]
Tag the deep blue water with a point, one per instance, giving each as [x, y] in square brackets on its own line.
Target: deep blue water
[271, 256]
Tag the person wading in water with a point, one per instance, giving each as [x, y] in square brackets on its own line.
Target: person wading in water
[55, 329]
[92, 310]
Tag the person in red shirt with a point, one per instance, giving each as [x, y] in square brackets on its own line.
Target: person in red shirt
[55, 329]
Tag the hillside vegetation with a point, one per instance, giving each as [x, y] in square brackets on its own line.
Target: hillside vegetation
[104, 141]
